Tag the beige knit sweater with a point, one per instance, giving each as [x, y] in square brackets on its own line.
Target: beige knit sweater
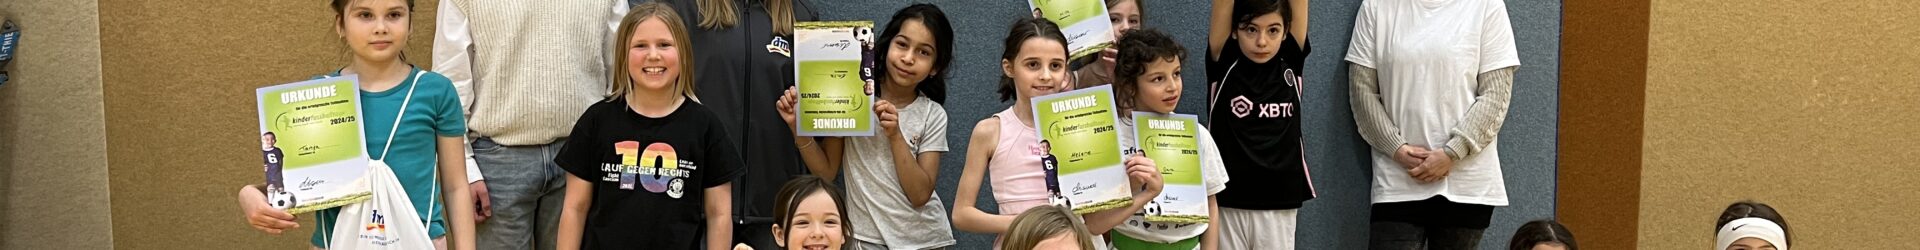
[525, 70]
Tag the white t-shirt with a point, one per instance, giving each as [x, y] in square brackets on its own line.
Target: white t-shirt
[1428, 54]
[876, 206]
[1212, 172]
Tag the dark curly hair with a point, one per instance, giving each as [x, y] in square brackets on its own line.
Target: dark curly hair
[1139, 48]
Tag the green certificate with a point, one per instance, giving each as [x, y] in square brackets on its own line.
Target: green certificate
[1084, 159]
[834, 69]
[313, 149]
[1084, 22]
[1170, 140]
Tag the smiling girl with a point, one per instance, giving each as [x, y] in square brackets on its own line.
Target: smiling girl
[648, 167]
[1007, 145]
[808, 215]
[890, 176]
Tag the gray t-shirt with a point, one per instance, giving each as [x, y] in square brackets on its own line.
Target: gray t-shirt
[877, 207]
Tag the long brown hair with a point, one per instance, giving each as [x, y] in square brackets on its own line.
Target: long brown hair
[935, 22]
[719, 14]
[621, 81]
[1026, 28]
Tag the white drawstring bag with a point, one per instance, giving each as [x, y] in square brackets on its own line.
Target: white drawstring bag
[387, 220]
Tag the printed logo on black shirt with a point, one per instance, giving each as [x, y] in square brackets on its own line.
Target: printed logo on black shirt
[780, 46]
[656, 168]
[1243, 106]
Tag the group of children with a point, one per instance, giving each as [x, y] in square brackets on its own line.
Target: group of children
[650, 162]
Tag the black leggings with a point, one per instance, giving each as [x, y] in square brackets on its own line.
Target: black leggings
[1434, 223]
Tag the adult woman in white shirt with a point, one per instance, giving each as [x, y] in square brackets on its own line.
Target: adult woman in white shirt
[1431, 84]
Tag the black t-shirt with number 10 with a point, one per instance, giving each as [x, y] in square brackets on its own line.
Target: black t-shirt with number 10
[649, 174]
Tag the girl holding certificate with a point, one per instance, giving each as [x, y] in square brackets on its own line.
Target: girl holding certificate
[890, 177]
[1256, 52]
[649, 166]
[1147, 79]
[423, 143]
[1034, 64]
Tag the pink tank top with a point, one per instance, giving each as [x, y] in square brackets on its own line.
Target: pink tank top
[1018, 181]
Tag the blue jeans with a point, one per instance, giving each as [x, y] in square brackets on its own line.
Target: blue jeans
[527, 190]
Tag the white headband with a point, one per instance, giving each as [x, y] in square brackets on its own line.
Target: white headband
[1752, 227]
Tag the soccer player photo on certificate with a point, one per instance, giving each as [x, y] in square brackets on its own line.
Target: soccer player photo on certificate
[1083, 146]
[1170, 140]
[314, 151]
[1084, 22]
[833, 64]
